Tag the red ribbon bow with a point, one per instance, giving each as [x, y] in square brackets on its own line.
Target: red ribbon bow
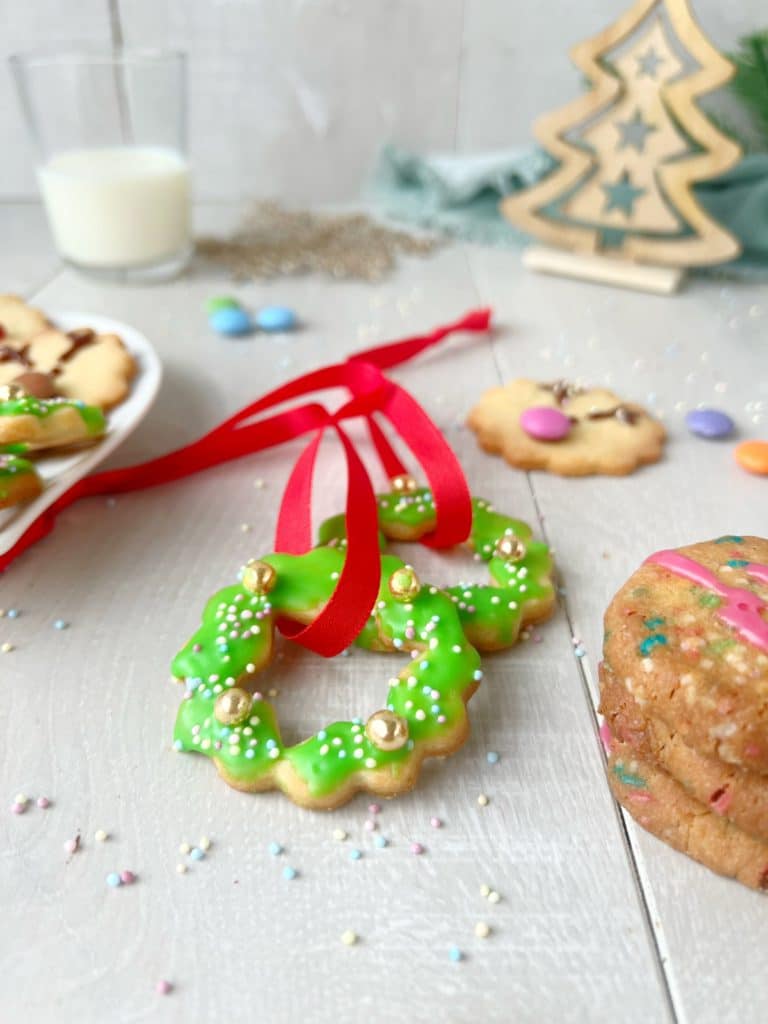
[371, 393]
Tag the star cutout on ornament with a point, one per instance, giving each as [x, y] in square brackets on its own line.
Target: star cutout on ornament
[648, 62]
[621, 195]
[634, 132]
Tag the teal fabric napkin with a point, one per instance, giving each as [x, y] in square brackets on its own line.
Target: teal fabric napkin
[459, 196]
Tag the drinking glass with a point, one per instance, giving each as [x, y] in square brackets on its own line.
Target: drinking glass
[109, 130]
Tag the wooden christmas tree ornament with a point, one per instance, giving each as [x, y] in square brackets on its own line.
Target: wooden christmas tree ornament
[629, 151]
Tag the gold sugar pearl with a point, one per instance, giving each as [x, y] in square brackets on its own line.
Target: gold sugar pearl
[258, 577]
[233, 706]
[404, 484]
[386, 730]
[404, 584]
[511, 549]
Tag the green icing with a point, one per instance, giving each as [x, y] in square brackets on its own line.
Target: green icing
[14, 449]
[12, 465]
[28, 405]
[438, 627]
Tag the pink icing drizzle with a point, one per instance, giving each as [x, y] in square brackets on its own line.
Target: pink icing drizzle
[741, 609]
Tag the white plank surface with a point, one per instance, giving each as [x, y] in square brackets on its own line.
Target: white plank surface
[704, 346]
[86, 717]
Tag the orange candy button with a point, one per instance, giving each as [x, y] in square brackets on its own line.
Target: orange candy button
[753, 456]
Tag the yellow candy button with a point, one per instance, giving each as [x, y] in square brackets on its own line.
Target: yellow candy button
[753, 456]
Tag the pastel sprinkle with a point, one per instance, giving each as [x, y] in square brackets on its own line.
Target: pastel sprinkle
[17, 808]
[579, 651]
[21, 798]
[493, 896]
[6, 648]
[181, 868]
[101, 836]
[455, 954]
[60, 624]
[492, 757]
[417, 849]
[196, 853]
[370, 825]
[113, 880]
[483, 800]
[127, 877]
[655, 639]
[13, 613]
[43, 803]
[381, 842]
[485, 890]
[275, 849]
[355, 854]
[482, 930]
[339, 835]
[289, 873]
[72, 845]
[436, 822]
[184, 849]
[163, 987]
[374, 808]
[349, 938]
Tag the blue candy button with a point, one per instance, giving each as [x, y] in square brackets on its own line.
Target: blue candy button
[231, 320]
[709, 423]
[276, 318]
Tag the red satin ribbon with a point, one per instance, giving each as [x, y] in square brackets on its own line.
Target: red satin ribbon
[372, 394]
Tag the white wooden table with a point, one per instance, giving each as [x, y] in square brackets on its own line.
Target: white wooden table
[598, 921]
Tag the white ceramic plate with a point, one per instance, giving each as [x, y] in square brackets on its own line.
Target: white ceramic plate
[59, 472]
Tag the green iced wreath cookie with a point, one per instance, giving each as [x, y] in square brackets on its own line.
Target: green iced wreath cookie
[223, 717]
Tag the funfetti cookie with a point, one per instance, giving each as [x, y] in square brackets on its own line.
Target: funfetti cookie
[724, 789]
[31, 424]
[18, 321]
[663, 807]
[687, 637]
[94, 368]
[566, 429]
[19, 481]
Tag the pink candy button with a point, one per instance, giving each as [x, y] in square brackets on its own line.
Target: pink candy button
[543, 423]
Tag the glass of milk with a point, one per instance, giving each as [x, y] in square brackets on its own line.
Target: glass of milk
[109, 129]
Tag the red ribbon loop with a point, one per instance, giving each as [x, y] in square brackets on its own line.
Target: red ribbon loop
[372, 394]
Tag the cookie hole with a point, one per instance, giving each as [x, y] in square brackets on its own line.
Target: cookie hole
[315, 691]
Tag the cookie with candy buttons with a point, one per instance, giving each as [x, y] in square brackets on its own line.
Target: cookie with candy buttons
[566, 429]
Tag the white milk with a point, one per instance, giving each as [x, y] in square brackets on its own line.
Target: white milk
[120, 206]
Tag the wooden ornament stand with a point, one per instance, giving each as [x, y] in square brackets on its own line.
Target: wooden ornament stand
[620, 273]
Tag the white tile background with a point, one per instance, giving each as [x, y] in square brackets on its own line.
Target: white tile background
[294, 97]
